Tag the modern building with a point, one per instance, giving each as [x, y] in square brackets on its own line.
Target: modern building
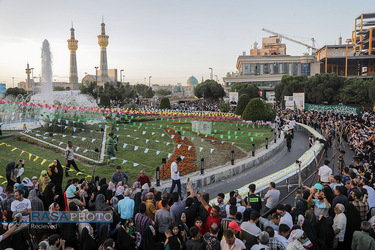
[357, 56]
[266, 66]
[73, 73]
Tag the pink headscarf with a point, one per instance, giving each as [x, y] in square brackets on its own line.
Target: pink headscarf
[119, 191]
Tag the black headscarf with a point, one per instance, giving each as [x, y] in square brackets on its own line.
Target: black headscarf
[86, 241]
[124, 241]
[148, 241]
[324, 232]
[48, 196]
[102, 181]
[103, 189]
[353, 220]
[57, 176]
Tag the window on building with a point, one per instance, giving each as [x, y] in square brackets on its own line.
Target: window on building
[257, 68]
[266, 68]
[295, 69]
[305, 69]
[247, 69]
[276, 68]
[286, 68]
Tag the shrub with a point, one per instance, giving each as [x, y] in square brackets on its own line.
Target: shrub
[243, 100]
[255, 111]
[165, 103]
[224, 107]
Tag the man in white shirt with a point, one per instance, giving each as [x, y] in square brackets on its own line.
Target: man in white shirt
[230, 242]
[370, 192]
[272, 196]
[21, 205]
[339, 224]
[175, 176]
[286, 218]
[324, 172]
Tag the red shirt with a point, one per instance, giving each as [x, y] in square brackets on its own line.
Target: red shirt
[211, 219]
[144, 180]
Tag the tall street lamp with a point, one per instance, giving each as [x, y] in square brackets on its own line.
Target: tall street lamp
[212, 72]
[96, 80]
[149, 81]
[121, 74]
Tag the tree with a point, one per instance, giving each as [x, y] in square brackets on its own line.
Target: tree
[224, 107]
[290, 85]
[243, 100]
[165, 103]
[355, 91]
[15, 91]
[251, 90]
[144, 91]
[90, 89]
[210, 90]
[255, 111]
[105, 100]
[163, 92]
[323, 88]
[58, 88]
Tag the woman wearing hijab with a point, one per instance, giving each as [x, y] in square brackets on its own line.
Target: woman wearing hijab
[119, 193]
[149, 240]
[114, 202]
[309, 231]
[353, 223]
[182, 224]
[36, 203]
[103, 189]
[43, 180]
[100, 203]
[49, 195]
[112, 186]
[56, 174]
[309, 215]
[124, 240]
[299, 210]
[325, 233]
[296, 240]
[87, 241]
[102, 182]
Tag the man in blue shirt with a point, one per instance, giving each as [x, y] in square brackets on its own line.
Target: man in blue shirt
[126, 207]
[119, 176]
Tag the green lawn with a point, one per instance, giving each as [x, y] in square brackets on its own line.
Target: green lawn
[152, 141]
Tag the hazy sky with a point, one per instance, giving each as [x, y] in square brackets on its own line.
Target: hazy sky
[169, 40]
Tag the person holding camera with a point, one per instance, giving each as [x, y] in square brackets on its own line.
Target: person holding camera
[321, 204]
[11, 172]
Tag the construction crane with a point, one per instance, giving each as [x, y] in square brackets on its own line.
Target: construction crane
[313, 48]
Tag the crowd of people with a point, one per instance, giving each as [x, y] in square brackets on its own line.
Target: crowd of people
[336, 213]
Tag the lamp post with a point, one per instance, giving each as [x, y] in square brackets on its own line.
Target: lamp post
[96, 81]
[211, 74]
[121, 75]
[149, 81]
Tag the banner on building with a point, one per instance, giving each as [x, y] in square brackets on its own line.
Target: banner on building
[341, 109]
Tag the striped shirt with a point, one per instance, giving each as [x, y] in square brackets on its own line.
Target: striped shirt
[141, 222]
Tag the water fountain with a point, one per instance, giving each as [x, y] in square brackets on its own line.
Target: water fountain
[45, 93]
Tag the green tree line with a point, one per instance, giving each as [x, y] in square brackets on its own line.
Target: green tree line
[327, 88]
